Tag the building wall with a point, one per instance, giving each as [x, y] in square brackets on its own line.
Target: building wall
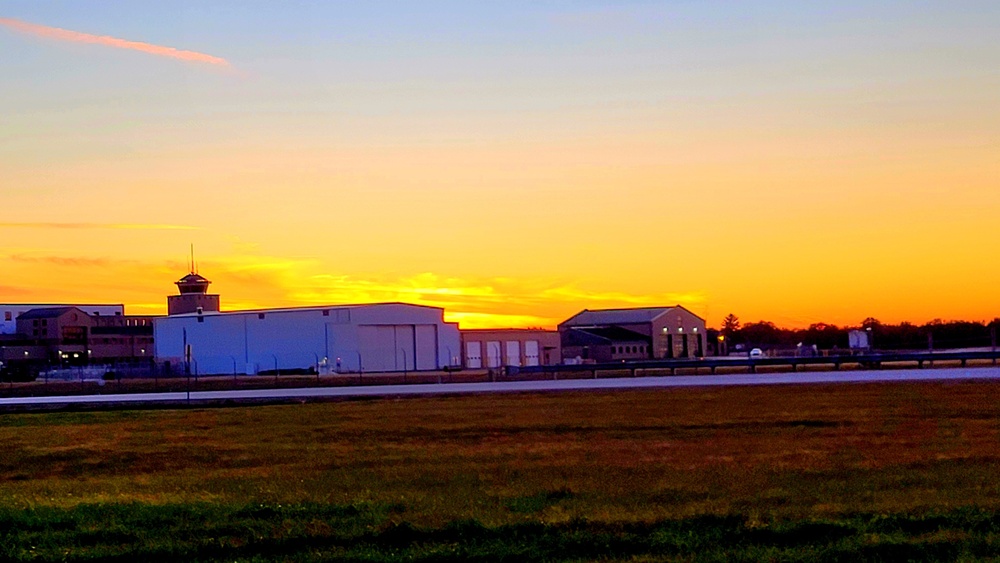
[677, 333]
[672, 329]
[190, 302]
[578, 347]
[638, 350]
[78, 338]
[509, 347]
[10, 311]
[377, 337]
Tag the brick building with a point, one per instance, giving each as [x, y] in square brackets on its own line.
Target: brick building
[68, 336]
[609, 335]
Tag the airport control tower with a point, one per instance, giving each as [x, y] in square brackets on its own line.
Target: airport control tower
[194, 296]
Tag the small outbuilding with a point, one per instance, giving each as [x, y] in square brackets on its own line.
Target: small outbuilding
[509, 347]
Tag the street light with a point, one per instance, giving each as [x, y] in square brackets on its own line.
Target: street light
[450, 358]
[404, 364]
[361, 370]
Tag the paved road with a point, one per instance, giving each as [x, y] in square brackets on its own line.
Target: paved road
[951, 374]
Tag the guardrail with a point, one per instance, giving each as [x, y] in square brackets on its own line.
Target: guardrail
[871, 361]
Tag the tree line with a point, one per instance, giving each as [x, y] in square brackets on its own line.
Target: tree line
[936, 334]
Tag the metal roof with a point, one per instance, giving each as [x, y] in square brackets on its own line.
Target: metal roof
[615, 316]
[296, 309]
[48, 313]
[192, 278]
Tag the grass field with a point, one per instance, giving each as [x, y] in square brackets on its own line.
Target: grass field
[846, 472]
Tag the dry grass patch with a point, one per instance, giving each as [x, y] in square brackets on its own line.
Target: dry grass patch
[767, 454]
[642, 453]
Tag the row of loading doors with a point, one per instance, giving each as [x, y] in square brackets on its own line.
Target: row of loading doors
[511, 357]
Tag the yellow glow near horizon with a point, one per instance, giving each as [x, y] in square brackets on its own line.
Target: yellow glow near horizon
[791, 164]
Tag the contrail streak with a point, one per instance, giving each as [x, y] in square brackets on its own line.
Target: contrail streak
[136, 226]
[77, 37]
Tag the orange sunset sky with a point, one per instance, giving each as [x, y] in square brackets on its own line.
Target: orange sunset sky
[513, 163]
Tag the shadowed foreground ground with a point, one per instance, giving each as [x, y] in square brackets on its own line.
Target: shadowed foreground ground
[848, 472]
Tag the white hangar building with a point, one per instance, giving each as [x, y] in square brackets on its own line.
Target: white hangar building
[380, 337]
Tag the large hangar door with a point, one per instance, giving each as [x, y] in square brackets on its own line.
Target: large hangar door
[377, 344]
[427, 347]
[388, 347]
[405, 347]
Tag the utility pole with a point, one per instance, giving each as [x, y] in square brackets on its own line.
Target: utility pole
[993, 342]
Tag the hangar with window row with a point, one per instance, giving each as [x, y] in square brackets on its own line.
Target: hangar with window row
[611, 335]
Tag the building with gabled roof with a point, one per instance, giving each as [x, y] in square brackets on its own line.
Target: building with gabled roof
[608, 335]
[63, 336]
[9, 312]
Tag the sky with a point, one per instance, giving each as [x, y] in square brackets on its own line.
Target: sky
[513, 162]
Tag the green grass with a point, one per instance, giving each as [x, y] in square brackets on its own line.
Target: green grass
[311, 532]
[847, 472]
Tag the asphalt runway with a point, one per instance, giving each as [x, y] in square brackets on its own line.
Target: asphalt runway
[946, 374]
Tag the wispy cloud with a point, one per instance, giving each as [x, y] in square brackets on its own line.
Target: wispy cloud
[495, 320]
[8, 290]
[65, 261]
[78, 37]
[260, 281]
[615, 298]
[127, 226]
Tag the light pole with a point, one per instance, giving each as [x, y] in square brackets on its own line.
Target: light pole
[234, 367]
[317, 365]
[361, 370]
[275, 368]
[404, 364]
[448, 367]
[993, 342]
